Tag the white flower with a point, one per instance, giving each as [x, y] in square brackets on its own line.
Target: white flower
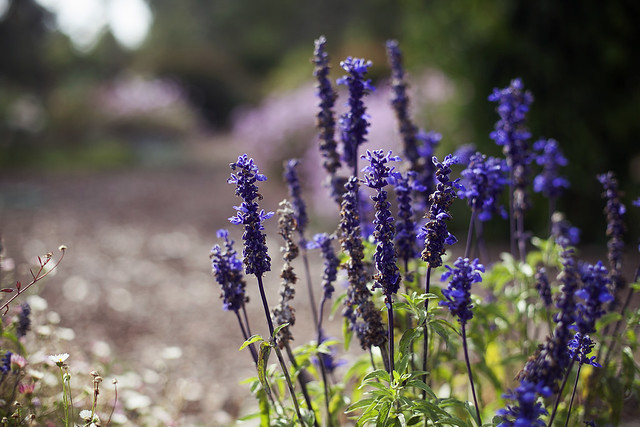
[59, 359]
[86, 415]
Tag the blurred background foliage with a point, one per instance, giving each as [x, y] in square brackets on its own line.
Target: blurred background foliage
[204, 58]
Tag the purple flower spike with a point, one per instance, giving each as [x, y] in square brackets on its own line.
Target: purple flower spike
[228, 273]
[527, 410]
[331, 262]
[325, 119]
[256, 258]
[354, 123]
[406, 239]
[299, 206]
[549, 182]
[484, 180]
[377, 174]
[579, 349]
[434, 232]
[595, 293]
[511, 133]
[24, 322]
[615, 211]
[458, 294]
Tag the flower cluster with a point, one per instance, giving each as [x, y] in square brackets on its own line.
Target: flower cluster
[548, 366]
[400, 104]
[295, 192]
[527, 410]
[511, 133]
[256, 258]
[325, 118]
[595, 293]
[322, 241]
[354, 122]
[376, 176]
[579, 349]
[427, 143]
[543, 287]
[434, 232]
[484, 180]
[458, 293]
[406, 238]
[614, 210]
[364, 319]
[228, 273]
[550, 157]
[24, 322]
[284, 311]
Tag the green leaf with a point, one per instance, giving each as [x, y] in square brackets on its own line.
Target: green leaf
[407, 338]
[362, 403]
[263, 359]
[379, 374]
[422, 386]
[251, 340]
[278, 329]
[452, 421]
[347, 333]
[383, 413]
[263, 403]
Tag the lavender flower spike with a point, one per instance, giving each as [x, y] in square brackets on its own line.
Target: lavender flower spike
[322, 241]
[615, 211]
[484, 180]
[298, 205]
[406, 239]
[227, 269]
[256, 258]
[354, 123]
[549, 182]
[377, 174]
[400, 104]
[458, 294]
[434, 232]
[365, 320]
[527, 411]
[325, 120]
[595, 293]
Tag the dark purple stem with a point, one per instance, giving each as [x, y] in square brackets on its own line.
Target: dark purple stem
[466, 359]
[265, 305]
[573, 394]
[390, 333]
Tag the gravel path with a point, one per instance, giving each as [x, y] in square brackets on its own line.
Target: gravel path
[136, 275]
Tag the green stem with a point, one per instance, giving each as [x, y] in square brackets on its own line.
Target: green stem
[285, 370]
[425, 341]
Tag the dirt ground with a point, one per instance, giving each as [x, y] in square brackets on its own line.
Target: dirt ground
[137, 274]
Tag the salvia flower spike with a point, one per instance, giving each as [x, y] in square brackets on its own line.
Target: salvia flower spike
[325, 118]
[354, 123]
[227, 269]
[435, 233]
[256, 257]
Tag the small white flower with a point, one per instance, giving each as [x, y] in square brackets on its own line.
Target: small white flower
[85, 414]
[59, 359]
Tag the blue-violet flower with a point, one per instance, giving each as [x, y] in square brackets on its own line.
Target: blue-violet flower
[228, 273]
[354, 122]
[256, 258]
[458, 293]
